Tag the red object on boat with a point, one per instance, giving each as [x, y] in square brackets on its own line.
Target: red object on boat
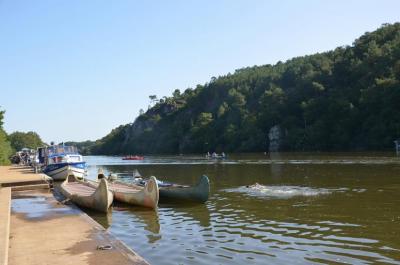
[133, 158]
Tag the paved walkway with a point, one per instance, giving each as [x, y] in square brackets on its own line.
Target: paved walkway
[41, 230]
[19, 174]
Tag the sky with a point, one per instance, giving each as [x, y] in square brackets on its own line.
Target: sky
[73, 70]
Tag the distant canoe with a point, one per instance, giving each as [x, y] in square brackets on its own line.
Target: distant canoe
[197, 193]
[133, 158]
[85, 195]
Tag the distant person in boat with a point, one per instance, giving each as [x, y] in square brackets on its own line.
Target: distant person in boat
[214, 154]
[208, 154]
[223, 154]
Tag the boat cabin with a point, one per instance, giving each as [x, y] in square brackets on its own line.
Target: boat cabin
[56, 154]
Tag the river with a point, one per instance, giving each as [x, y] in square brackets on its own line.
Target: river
[314, 208]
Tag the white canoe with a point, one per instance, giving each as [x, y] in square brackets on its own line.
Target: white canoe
[146, 196]
[82, 193]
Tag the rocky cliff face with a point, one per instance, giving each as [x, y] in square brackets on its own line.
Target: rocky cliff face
[137, 128]
[274, 137]
[147, 122]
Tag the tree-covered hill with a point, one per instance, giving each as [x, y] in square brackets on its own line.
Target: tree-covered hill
[345, 99]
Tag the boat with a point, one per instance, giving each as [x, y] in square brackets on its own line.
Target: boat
[133, 158]
[60, 161]
[216, 156]
[83, 194]
[197, 193]
[146, 196]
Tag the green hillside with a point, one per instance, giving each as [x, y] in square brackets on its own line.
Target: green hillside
[345, 99]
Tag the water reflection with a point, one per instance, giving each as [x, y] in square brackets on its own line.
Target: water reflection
[196, 212]
[148, 217]
[136, 224]
[105, 219]
[276, 168]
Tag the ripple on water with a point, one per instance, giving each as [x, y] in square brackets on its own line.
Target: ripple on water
[236, 237]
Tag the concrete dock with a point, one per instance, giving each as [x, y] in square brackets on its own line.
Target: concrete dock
[14, 176]
[35, 228]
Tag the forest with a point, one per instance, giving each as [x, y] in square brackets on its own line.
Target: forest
[340, 100]
[15, 141]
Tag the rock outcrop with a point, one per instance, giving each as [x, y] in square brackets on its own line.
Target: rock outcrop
[274, 137]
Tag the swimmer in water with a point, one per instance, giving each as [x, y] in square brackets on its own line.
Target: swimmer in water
[255, 186]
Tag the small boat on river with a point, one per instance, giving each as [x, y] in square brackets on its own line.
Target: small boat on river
[216, 156]
[84, 194]
[133, 157]
[198, 193]
[146, 196]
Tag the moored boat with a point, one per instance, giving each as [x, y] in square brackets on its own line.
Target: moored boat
[82, 193]
[197, 193]
[60, 161]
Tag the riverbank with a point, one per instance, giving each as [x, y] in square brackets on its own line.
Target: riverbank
[35, 228]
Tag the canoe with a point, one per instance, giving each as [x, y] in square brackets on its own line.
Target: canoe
[146, 196]
[82, 193]
[197, 193]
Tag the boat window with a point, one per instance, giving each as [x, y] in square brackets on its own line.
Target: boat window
[75, 158]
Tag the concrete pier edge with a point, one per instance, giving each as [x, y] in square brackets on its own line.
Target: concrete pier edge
[5, 211]
[14, 180]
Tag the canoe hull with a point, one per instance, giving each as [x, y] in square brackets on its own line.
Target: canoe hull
[146, 196]
[198, 193]
[100, 200]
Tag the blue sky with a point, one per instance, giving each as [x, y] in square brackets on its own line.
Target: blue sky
[74, 70]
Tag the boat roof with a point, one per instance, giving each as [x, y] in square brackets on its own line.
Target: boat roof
[61, 150]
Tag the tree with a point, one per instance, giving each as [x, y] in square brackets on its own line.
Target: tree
[222, 109]
[204, 119]
[21, 140]
[153, 99]
[5, 147]
[176, 93]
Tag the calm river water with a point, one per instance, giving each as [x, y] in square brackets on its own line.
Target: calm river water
[314, 208]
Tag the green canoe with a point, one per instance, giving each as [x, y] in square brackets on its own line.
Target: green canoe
[197, 193]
